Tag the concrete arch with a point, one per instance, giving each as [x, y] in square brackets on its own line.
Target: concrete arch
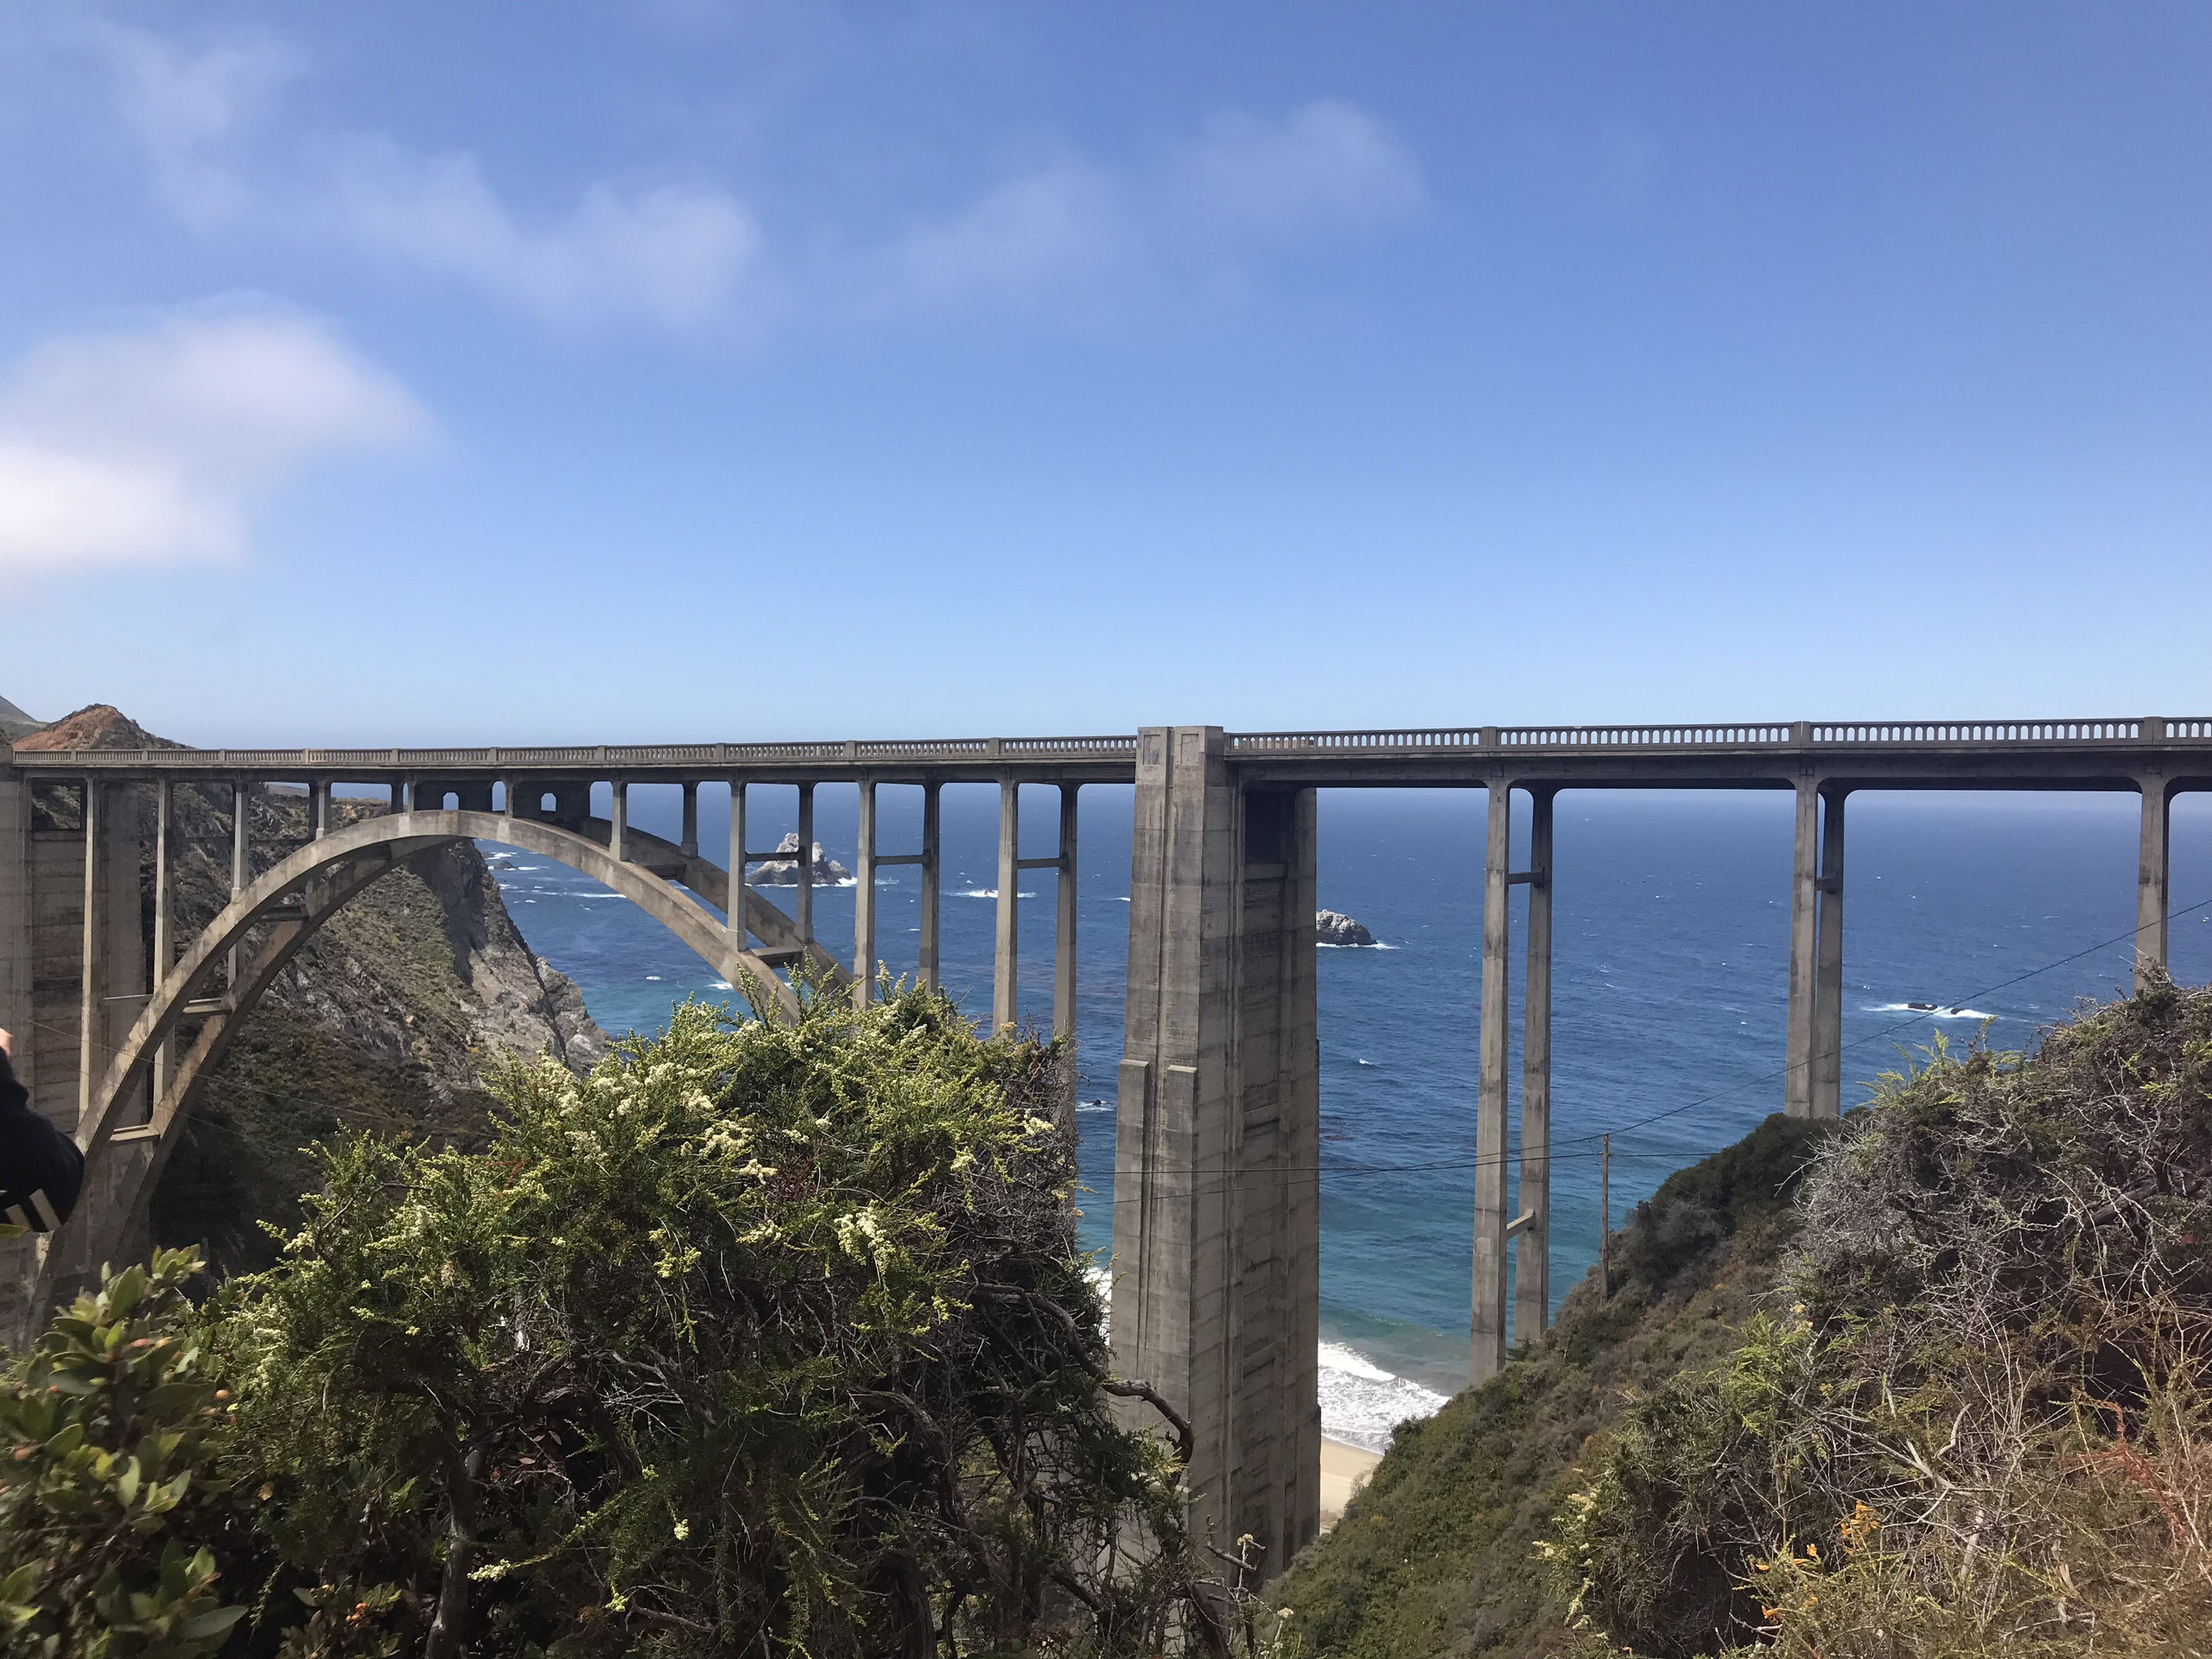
[298, 895]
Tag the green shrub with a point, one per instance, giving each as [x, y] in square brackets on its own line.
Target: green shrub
[116, 1497]
[758, 1339]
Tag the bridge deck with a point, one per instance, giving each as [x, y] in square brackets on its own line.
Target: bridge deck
[1903, 754]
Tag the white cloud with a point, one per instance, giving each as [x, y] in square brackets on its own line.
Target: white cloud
[1074, 233]
[1075, 230]
[674, 256]
[1068, 221]
[670, 256]
[152, 445]
[1326, 166]
[190, 110]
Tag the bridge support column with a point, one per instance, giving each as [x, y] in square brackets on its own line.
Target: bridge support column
[1532, 1260]
[1006, 962]
[689, 845]
[165, 905]
[617, 819]
[802, 898]
[1064, 932]
[1826, 1096]
[1216, 1231]
[864, 902]
[110, 963]
[1804, 923]
[932, 836]
[1064, 950]
[17, 1255]
[1486, 1321]
[241, 868]
[2153, 870]
[15, 920]
[737, 865]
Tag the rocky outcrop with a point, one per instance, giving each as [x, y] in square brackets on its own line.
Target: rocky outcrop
[783, 871]
[98, 726]
[1334, 927]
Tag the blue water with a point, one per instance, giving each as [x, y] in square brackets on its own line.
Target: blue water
[1671, 925]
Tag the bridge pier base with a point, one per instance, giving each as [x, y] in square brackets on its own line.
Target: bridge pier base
[2153, 869]
[933, 837]
[1532, 1259]
[1217, 1277]
[1486, 1332]
[1006, 951]
[1827, 1098]
[1804, 950]
[73, 960]
[16, 1255]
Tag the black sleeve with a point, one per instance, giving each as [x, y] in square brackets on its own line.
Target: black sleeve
[40, 1169]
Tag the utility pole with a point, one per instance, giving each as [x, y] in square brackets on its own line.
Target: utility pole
[1604, 1216]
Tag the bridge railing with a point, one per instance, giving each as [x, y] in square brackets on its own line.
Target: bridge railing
[1860, 736]
[1987, 734]
[596, 758]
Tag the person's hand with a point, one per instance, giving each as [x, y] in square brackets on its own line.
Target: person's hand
[7, 1043]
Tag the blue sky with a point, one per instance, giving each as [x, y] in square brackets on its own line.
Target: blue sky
[691, 370]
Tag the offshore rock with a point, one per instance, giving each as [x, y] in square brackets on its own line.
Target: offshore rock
[1334, 927]
[783, 871]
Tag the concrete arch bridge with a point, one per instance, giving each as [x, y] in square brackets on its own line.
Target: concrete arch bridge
[1217, 1238]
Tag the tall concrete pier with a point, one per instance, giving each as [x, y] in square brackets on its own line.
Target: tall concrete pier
[1217, 1225]
[1216, 1241]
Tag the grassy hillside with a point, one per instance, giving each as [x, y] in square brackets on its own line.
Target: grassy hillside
[1437, 1554]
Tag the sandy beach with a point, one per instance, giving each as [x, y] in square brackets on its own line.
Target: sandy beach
[1344, 1470]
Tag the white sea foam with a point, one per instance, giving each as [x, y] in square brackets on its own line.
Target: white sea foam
[1094, 1105]
[653, 978]
[1952, 1012]
[1323, 944]
[990, 892]
[721, 985]
[1360, 1402]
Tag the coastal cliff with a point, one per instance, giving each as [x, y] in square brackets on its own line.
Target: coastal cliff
[386, 1020]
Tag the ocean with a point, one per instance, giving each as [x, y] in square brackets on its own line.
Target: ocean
[1671, 936]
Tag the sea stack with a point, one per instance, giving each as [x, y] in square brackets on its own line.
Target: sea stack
[1334, 927]
[783, 871]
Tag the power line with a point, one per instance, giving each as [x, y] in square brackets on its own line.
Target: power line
[1225, 1177]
